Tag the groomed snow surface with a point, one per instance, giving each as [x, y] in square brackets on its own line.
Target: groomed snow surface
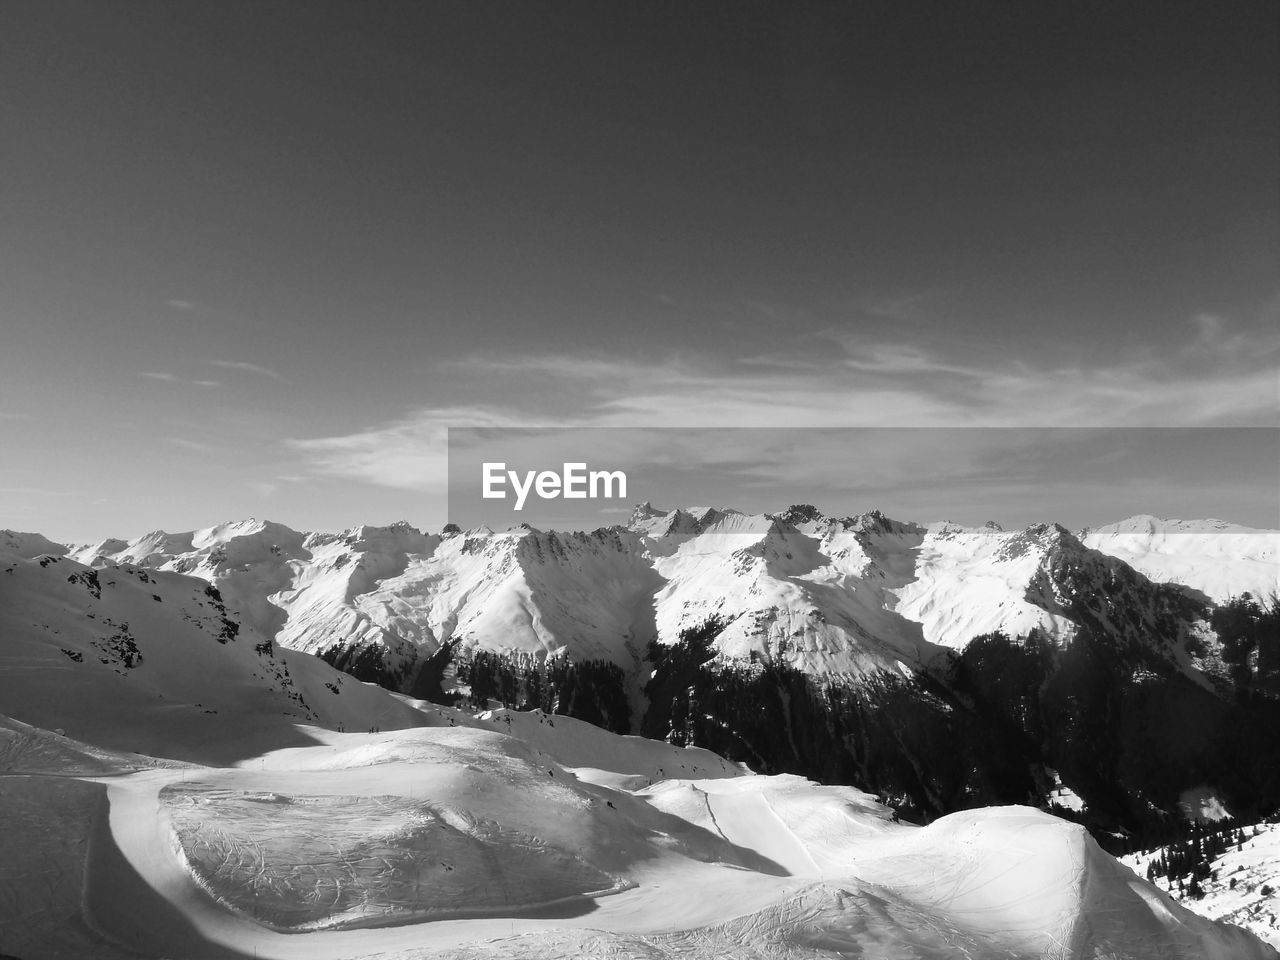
[458, 840]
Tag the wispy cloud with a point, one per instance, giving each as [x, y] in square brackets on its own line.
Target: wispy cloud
[1216, 376]
[409, 453]
[246, 367]
[173, 378]
[184, 305]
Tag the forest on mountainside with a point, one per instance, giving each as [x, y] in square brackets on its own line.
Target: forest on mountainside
[996, 724]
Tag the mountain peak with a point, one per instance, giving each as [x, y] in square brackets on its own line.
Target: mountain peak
[801, 513]
[644, 511]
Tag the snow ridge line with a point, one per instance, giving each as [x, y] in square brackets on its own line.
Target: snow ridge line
[706, 801]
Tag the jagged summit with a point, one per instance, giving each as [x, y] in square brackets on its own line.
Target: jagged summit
[644, 511]
[799, 513]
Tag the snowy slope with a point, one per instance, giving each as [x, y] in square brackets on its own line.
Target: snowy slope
[814, 595]
[161, 655]
[457, 841]
[1244, 888]
[1221, 560]
[602, 757]
[15, 545]
[970, 582]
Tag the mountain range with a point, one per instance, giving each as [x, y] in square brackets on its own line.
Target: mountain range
[854, 595]
[936, 665]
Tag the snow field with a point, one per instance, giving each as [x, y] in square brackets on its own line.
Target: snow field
[305, 862]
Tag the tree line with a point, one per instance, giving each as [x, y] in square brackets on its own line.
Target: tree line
[590, 690]
[994, 724]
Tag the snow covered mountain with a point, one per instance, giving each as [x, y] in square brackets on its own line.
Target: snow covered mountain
[1219, 559]
[970, 582]
[14, 544]
[173, 785]
[852, 595]
[160, 653]
[167, 762]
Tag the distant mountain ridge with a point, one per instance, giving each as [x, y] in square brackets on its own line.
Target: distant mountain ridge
[850, 595]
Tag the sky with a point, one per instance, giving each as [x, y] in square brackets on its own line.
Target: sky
[1014, 476]
[256, 258]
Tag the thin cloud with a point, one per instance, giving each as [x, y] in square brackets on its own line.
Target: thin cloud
[246, 367]
[172, 378]
[410, 453]
[1217, 377]
[184, 305]
[564, 366]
